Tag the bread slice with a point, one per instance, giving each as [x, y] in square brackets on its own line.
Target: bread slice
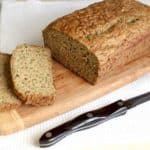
[101, 38]
[31, 70]
[7, 98]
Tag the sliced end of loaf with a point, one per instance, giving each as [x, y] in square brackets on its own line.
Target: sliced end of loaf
[31, 70]
[72, 54]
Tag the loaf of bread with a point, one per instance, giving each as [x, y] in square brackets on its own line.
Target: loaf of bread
[31, 70]
[7, 98]
[100, 38]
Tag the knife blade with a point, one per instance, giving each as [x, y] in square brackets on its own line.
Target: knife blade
[91, 119]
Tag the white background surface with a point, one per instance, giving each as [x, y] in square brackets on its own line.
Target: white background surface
[22, 23]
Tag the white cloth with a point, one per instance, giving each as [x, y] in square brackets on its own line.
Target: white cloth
[22, 22]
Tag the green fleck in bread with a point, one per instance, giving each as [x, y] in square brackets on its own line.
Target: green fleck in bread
[31, 70]
[100, 38]
[7, 99]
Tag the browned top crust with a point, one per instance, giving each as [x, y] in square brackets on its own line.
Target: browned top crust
[122, 19]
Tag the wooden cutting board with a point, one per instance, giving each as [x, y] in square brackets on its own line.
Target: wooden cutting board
[72, 92]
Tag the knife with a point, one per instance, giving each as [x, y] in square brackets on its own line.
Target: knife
[91, 119]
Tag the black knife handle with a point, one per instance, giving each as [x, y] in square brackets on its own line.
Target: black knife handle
[84, 121]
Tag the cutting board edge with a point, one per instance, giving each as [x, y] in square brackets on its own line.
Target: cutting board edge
[14, 124]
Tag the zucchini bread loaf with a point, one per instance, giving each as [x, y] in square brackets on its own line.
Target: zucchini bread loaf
[100, 38]
[31, 70]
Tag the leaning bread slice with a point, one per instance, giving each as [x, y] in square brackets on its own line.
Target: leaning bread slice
[31, 70]
[7, 99]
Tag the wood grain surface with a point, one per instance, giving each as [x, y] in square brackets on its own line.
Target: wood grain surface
[72, 92]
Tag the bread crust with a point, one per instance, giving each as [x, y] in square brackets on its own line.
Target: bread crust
[100, 18]
[9, 106]
[33, 99]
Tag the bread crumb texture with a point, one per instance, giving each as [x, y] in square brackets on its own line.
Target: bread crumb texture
[7, 98]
